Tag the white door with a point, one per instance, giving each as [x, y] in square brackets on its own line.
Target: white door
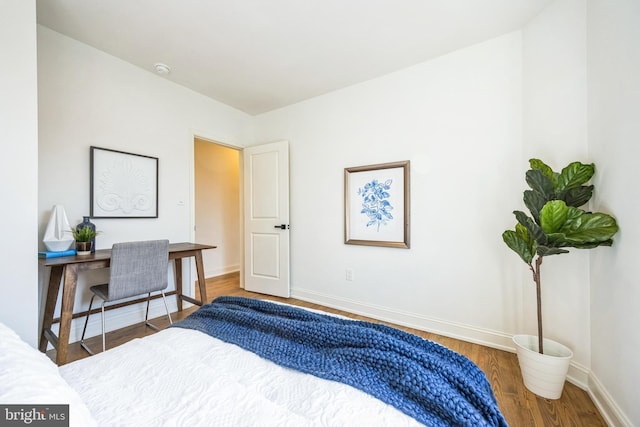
[266, 219]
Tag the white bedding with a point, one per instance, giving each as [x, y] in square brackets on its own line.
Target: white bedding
[28, 377]
[181, 377]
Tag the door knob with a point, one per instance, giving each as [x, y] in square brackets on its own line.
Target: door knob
[281, 226]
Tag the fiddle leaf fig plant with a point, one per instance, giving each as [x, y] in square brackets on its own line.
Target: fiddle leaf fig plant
[556, 220]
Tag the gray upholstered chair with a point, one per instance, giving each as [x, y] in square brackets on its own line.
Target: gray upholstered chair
[136, 268]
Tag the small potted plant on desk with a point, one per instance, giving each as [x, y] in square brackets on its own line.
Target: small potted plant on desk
[84, 237]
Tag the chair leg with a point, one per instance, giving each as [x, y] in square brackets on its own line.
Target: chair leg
[84, 330]
[146, 317]
[166, 307]
[103, 339]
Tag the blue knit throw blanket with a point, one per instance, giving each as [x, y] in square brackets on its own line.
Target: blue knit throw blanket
[423, 379]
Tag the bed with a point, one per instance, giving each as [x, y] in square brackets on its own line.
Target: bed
[248, 362]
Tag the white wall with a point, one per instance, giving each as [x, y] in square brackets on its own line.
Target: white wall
[217, 207]
[18, 167]
[555, 130]
[87, 97]
[614, 132]
[458, 120]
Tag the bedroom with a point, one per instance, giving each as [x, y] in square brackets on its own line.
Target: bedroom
[463, 288]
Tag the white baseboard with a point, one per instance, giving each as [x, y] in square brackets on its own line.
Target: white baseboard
[459, 331]
[117, 319]
[222, 271]
[129, 315]
[578, 374]
[608, 408]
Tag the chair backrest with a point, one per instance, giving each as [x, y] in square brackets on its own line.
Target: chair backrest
[138, 268]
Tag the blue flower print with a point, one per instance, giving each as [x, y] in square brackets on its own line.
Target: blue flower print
[374, 203]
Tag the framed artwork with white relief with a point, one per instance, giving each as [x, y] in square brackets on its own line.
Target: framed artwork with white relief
[123, 185]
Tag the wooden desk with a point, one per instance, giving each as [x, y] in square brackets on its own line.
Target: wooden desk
[65, 270]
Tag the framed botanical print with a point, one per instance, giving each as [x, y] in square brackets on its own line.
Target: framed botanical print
[376, 201]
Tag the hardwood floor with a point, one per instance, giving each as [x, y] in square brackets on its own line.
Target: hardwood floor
[519, 406]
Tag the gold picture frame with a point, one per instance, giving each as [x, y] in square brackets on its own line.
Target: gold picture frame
[376, 205]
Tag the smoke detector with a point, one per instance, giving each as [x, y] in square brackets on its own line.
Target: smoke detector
[162, 69]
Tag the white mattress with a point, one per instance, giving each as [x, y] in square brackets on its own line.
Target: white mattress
[181, 377]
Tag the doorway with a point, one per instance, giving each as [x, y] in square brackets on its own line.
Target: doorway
[217, 205]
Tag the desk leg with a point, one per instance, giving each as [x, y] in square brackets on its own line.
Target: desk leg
[66, 314]
[202, 284]
[177, 271]
[50, 305]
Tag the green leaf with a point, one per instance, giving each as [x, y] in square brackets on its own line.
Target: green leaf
[593, 245]
[534, 230]
[539, 165]
[540, 183]
[589, 227]
[546, 250]
[577, 196]
[524, 234]
[553, 216]
[534, 201]
[519, 245]
[574, 175]
[584, 230]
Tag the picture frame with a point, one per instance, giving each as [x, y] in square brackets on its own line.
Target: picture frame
[376, 205]
[123, 185]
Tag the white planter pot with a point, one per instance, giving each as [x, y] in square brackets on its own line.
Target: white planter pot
[543, 374]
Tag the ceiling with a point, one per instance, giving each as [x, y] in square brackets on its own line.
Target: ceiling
[260, 55]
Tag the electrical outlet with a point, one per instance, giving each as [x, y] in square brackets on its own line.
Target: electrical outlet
[349, 275]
